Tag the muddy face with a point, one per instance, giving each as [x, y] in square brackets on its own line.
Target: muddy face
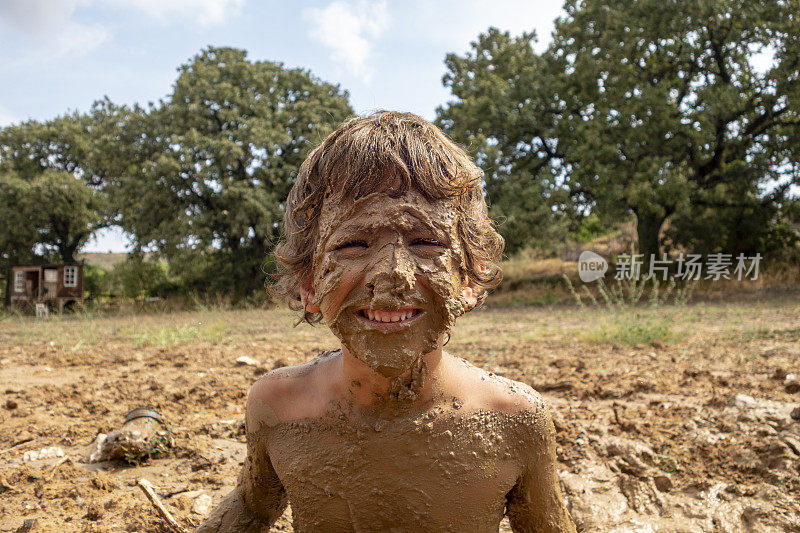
[388, 278]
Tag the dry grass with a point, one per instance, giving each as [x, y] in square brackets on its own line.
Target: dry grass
[491, 328]
[168, 329]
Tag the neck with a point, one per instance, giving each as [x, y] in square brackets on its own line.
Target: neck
[366, 388]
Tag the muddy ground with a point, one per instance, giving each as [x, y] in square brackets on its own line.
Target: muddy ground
[689, 431]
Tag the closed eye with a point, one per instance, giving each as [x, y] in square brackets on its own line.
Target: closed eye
[352, 245]
[426, 242]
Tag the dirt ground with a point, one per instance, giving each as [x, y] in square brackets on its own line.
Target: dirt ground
[680, 425]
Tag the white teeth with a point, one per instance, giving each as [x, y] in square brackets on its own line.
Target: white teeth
[387, 316]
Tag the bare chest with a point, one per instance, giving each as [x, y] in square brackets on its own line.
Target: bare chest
[445, 474]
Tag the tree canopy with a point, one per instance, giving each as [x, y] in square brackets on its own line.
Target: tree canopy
[199, 178]
[46, 167]
[684, 115]
[651, 107]
[217, 158]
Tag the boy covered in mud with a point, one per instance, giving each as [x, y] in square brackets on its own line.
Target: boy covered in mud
[388, 241]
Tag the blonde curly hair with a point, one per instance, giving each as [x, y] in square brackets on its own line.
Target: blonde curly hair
[388, 152]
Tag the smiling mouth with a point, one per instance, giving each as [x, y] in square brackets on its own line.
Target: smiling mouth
[377, 316]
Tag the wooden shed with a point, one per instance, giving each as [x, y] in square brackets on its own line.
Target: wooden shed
[59, 285]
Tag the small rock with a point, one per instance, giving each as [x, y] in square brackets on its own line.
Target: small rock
[248, 361]
[766, 431]
[795, 413]
[794, 444]
[279, 363]
[97, 449]
[202, 505]
[780, 374]
[11, 404]
[658, 345]
[742, 400]
[792, 387]
[663, 483]
[769, 352]
[94, 513]
[45, 453]
[789, 377]
[28, 525]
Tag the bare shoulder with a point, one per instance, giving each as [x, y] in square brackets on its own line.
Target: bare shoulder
[482, 390]
[287, 393]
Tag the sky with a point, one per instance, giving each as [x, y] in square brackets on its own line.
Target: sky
[58, 56]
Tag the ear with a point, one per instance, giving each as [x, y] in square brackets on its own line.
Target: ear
[307, 297]
[470, 294]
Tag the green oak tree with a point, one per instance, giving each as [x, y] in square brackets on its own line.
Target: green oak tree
[500, 100]
[49, 215]
[58, 193]
[18, 232]
[651, 107]
[69, 211]
[53, 213]
[217, 160]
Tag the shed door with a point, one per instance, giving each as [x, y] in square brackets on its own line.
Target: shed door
[32, 284]
[50, 282]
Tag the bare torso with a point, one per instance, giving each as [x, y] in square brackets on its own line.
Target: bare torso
[447, 463]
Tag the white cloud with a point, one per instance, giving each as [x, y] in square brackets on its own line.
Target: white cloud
[50, 29]
[50, 24]
[455, 24]
[349, 31]
[204, 12]
[36, 16]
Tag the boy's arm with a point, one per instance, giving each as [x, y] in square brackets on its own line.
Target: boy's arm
[259, 498]
[536, 502]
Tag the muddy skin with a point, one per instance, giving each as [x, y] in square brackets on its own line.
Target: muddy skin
[259, 498]
[419, 242]
[443, 466]
[390, 433]
[472, 448]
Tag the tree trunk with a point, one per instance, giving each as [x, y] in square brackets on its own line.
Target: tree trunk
[67, 250]
[648, 226]
[9, 286]
[68, 254]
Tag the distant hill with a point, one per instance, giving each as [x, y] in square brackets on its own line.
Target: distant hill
[109, 260]
[106, 261]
